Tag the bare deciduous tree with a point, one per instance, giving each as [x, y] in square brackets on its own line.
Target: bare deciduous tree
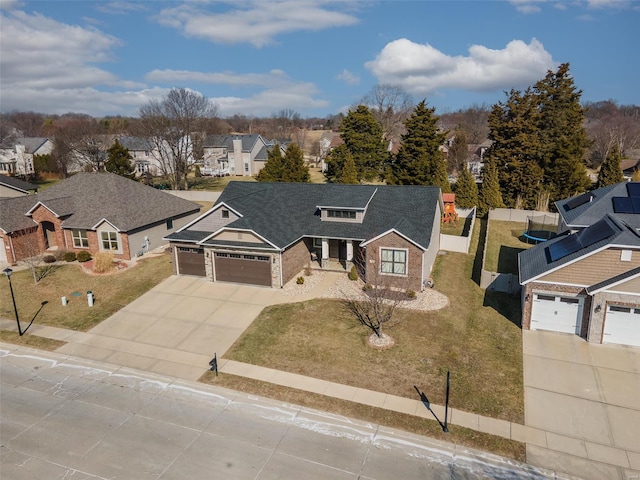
[375, 304]
[174, 124]
[78, 138]
[390, 106]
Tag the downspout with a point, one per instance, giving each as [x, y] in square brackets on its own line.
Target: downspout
[13, 252]
[281, 285]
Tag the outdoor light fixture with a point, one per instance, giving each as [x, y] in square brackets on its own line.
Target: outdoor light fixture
[527, 297]
[598, 308]
[7, 271]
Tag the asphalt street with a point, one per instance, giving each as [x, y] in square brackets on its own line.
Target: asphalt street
[63, 417]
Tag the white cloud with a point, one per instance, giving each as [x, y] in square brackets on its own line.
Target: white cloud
[348, 77]
[120, 8]
[254, 22]
[423, 70]
[38, 52]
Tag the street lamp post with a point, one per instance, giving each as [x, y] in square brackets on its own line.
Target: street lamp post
[7, 271]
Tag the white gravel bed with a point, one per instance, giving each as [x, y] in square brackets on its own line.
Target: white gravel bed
[429, 299]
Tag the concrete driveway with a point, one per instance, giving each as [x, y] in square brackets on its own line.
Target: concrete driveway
[587, 399]
[175, 328]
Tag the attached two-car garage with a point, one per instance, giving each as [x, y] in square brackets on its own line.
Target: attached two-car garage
[242, 268]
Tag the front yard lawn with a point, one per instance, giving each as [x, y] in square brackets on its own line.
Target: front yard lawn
[112, 292]
[504, 242]
[472, 338]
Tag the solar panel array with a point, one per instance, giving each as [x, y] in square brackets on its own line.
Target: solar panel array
[579, 200]
[630, 204]
[584, 238]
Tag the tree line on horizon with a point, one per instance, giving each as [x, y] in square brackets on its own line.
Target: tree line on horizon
[542, 141]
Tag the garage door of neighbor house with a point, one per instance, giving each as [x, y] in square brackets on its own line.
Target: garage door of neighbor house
[239, 268]
[191, 261]
[557, 313]
[622, 326]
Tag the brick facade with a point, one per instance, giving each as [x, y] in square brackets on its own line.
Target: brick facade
[295, 258]
[411, 281]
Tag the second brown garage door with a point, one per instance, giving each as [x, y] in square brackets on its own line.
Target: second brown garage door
[191, 261]
[239, 268]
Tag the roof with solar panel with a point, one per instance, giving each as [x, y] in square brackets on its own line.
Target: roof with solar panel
[548, 256]
[621, 200]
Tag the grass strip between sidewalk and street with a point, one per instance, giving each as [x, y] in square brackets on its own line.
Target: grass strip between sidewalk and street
[408, 423]
[28, 340]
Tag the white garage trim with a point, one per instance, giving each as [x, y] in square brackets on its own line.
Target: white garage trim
[622, 325]
[557, 313]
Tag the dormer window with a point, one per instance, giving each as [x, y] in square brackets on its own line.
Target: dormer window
[341, 214]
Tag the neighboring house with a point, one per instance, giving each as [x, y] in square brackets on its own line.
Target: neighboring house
[240, 154]
[587, 281]
[16, 157]
[144, 155]
[267, 233]
[14, 187]
[95, 212]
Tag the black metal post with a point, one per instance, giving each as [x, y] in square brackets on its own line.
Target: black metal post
[446, 407]
[8, 272]
[213, 363]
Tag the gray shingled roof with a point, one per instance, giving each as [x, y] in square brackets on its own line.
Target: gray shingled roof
[31, 144]
[85, 199]
[12, 213]
[283, 212]
[600, 205]
[537, 261]
[136, 143]
[17, 184]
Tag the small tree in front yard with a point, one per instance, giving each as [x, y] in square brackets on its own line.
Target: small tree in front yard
[30, 249]
[375, 305]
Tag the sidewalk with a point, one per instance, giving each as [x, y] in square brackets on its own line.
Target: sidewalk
[493, 426]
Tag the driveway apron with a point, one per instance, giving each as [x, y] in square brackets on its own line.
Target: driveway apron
[586, 398]
[175, 328]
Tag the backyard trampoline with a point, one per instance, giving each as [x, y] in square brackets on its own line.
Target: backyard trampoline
[540, 228]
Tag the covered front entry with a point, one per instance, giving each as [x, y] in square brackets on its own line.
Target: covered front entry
[243, 268]
[557, 313]
[191, 261]
[622, 325]
[49, 231]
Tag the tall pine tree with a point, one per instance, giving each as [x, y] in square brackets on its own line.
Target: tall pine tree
[363, 139]
[514, 131]
[420, 160]
[563, 137]
[466, 190]
[294, 168]
[273, 170]
[610, 171]
[349, 173]
[489, 196]
[119, 161]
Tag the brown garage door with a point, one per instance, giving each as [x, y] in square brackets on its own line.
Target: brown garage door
[239, 268]
[191, 261]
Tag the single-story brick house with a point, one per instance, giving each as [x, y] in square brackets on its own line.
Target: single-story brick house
[94, 212]
[267, 233]
[586, 281]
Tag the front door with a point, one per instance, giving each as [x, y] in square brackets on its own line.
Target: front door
[49, 230]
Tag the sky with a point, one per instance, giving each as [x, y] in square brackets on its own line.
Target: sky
[314, 57]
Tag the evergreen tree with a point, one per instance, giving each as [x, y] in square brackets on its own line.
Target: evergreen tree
[334, 162]
[119, 161]
[466, 190]
[563, 137]
[349, 173]
[489, 196]
[610, 171]
[458, 152]
[514, 153]
[273, 170]
[362, 136]
[294, 168]
[420, 160]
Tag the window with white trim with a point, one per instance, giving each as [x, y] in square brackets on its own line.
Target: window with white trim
[109, 240]
[393, 261]
[317, 242]
[80, 239]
